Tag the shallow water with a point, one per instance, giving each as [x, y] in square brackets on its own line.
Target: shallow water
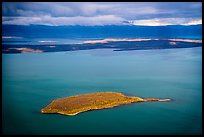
[31, 81]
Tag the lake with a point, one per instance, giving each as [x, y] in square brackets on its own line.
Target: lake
[31, 81]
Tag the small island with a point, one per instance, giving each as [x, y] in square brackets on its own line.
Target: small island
[80, 103]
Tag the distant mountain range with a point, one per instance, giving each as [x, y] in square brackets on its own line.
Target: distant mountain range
[112, 31]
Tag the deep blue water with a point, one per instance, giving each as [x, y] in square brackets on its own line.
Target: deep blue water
[31, 81]
[77, 34]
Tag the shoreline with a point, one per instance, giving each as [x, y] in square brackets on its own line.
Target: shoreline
[114, 44]
[74, 105]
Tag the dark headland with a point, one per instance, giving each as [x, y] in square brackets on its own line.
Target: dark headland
[110, 43]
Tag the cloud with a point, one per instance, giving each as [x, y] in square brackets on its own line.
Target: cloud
[194, 22]
[130, 9]
[59, 21]
[97, 20]
[166, 21]
[50, 13]
[149, 22]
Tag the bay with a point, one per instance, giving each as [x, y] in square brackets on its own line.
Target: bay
[31, 81]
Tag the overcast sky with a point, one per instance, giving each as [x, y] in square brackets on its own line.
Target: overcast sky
[102, 13]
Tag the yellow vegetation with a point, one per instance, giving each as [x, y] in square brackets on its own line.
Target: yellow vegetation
[75, 104]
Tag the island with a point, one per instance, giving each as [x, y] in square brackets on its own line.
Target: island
[85, 102]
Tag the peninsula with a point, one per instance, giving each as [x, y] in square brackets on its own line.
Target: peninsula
[116, 44]
[99, 100]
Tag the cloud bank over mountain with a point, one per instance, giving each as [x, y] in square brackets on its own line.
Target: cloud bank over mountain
[102, 13]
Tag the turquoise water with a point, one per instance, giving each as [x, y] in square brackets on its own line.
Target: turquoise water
[31, 81]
